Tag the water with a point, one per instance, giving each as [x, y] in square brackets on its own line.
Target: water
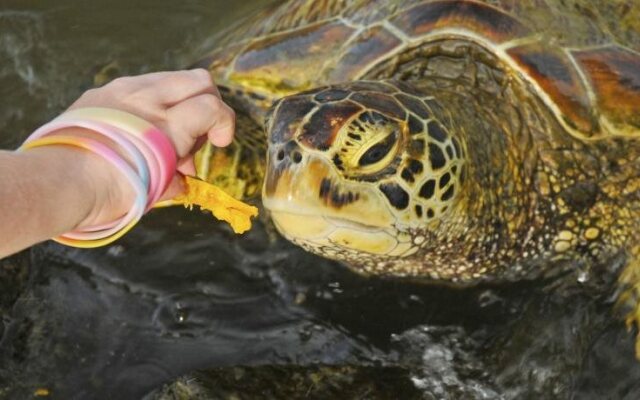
[181, 296]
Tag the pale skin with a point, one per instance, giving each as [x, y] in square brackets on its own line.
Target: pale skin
[50, 190]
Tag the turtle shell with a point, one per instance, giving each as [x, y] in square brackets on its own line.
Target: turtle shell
[581, 57]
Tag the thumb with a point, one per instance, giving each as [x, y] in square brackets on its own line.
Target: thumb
[187, 166]
[175, 188]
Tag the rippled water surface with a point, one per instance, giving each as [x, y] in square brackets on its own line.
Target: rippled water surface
[255, 316]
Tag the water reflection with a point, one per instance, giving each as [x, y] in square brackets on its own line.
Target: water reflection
[129, 321]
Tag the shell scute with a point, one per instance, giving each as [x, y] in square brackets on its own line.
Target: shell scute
[371, 45]
[614, 75]
[473, 16]
[218, 61]
[262, 63]
[554, 72]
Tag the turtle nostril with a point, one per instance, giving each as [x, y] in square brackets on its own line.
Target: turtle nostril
[280, 155]
[297, 157]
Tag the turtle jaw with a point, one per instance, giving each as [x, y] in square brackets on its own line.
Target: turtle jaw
[338, 239]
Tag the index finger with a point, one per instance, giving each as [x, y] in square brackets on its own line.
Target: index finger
[197, 116]
[172, 87]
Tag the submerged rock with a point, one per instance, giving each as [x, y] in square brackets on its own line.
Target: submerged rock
[291, 382]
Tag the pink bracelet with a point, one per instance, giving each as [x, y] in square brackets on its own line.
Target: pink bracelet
[156, 140]
[96, 239]
[140, 156]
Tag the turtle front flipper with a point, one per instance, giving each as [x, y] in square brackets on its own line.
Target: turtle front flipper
[238, 168]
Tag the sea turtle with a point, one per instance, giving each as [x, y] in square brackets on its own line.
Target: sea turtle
[456, 141]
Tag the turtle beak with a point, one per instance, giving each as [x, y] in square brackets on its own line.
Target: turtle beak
[304, 183]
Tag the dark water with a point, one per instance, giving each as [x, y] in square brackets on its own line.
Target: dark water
[181, 293]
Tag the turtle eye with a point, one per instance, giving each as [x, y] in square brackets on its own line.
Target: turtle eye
[378, 151]
[368, 144]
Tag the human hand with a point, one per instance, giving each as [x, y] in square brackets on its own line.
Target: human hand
[186, 105]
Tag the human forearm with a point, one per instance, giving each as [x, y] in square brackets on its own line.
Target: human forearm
[48, 191]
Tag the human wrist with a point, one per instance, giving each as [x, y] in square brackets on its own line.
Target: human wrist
[62, 186]
[104, 191]
[110, 193]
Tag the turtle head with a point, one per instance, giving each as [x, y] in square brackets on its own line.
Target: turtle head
[355, 170]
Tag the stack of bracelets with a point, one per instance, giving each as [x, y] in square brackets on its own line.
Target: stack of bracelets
[150, 169]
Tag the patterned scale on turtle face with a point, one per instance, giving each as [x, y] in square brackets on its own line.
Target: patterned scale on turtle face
[360, 167]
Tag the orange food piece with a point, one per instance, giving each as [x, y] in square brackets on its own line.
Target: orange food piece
[212, 198]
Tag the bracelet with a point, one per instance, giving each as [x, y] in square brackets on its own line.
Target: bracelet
[155, 139]
[100, 238]
[140, 156]
[152, 156]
